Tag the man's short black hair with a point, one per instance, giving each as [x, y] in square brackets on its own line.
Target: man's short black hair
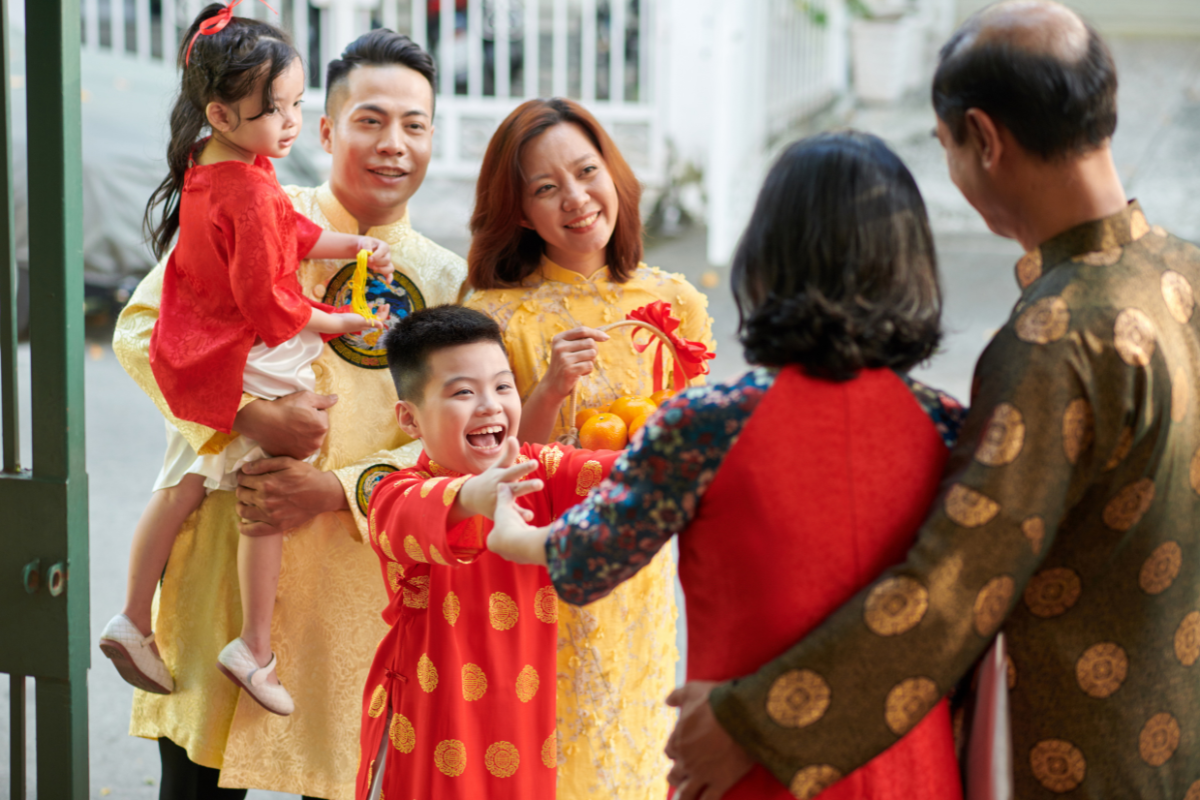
[379, 48]
[412, 340]
[1054, 107]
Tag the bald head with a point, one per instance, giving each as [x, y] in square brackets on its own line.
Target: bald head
[1037, 69]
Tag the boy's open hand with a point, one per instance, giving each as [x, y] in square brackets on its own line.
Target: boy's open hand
[478, 495]
[380, 260]
[512, 537]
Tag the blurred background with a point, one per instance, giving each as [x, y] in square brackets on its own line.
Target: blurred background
[700, 95]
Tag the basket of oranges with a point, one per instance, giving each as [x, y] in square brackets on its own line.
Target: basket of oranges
[613, 426]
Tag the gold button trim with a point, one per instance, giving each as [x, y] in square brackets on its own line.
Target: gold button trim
[1003, 437]
[1187, 639]
[502, 759]
[545, 605]
[502, 611]
[1052, 592]
[402, 734]
[908, 702]
[1161, 568]
[427, 674]
[895, 606]
[1124, 510]
[474, 682]
[1133, 336]
[1078, 429]
[1102, 669]
[1159, 739]
[798, 698]
[1044, 322]
[991, 604]
[1177, 294]
[811, 781]
[450, 757]
[1058, 765]
[969, 508]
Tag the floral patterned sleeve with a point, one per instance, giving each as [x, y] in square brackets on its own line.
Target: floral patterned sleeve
[653, 491]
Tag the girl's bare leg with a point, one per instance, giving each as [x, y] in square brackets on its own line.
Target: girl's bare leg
[259, 559]
[152, 541]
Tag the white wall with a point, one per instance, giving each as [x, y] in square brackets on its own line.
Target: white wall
[1126, 17]
[685, 39]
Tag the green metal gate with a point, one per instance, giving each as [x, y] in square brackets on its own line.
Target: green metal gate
[43, 511]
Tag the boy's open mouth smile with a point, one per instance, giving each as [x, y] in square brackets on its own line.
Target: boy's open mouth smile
[486, 438]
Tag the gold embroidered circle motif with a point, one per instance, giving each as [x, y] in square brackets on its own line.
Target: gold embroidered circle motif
[527, 683]
[1100, 258]
[427, 674]
[1180, 395]
[1177, 294]
[502, 611]
[1034, 530]
[502, 759]
[437, 556]
[550, 457]
[550, 751]
[1078, 428]
[1124, 444]
[1187, 639]
[416, 592]
[545, 605]
[1029, 268]
[1003, 437]
[799, 697]
[474, 682]
[811, 781]
[428, 486]
[908, 702]
[378, 701]
[452, 488]
[1124, 510]
[413, 548]
[1161, 568]
[450, 757]
[895, 606]
[1139, 226]
[395, 573]
[1133, 336]
[1058, 765]
[589, 476]
[969, 508]
[385, 545]
[1193, 792]
[991, 604]
[1052, 592]
[401, 734]
[1044, 322]
[1159, 739]
[1102, 669]
[451, 607]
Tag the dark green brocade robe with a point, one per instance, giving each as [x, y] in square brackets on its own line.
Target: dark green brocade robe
[1070, 517]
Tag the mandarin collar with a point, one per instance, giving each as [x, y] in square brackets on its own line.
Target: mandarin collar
[553, 272]
[343, 221]
[427, 464]
[1108, 233]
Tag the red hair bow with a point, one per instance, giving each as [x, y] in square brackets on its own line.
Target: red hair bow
[692, 356]
[215, 24]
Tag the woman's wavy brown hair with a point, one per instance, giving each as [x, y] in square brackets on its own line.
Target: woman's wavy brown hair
[503, 252]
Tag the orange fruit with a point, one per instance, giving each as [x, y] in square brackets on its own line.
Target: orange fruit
[637, 424]
[584, 415]
[630, 408]
[604, 409]
[603, 432]
[661, 396]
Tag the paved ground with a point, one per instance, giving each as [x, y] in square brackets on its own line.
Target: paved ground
[1159, 135]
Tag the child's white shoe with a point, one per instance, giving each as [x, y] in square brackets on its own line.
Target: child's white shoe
[240, 666]
[134, 658]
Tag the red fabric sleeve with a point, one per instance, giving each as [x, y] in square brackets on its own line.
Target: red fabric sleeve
[307, 234]
[571, 474]
[267, 294]
[410, 515]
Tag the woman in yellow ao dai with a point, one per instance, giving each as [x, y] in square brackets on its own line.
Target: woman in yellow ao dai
[557, 248]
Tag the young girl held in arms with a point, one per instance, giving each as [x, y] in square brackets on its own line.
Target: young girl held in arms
[233, 318]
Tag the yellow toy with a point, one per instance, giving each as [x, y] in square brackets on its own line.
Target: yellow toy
[358, 287]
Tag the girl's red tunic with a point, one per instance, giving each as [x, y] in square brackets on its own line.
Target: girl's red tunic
[230, 280]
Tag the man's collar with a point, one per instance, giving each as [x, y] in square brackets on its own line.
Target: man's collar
[1091, 241]
[343, 221]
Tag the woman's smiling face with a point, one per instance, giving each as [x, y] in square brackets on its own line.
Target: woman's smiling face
[568, 197]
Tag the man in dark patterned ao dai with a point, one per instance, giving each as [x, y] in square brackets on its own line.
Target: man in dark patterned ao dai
[1069, 516]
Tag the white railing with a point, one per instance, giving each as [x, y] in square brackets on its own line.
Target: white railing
[777, 61]
[491, 55]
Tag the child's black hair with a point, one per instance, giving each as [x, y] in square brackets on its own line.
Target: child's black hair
[412, 340]
[225, 67]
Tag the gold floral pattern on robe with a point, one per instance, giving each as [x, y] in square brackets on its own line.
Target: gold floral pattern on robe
[1080, 537]
[329, 598]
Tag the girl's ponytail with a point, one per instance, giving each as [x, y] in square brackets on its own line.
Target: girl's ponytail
[225, 67]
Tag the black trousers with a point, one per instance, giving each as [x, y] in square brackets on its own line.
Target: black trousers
[183, 779]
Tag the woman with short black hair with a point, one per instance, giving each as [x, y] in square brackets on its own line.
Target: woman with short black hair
[796, 485]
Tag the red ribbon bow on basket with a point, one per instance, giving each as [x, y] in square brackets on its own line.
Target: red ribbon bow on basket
[692, 358]
[215, 24]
